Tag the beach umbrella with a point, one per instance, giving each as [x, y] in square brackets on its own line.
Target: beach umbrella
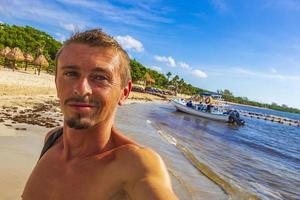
[149, 79]
[40, 61]
[15, 55]
[28, 59]
[197, 98]
[3, 53]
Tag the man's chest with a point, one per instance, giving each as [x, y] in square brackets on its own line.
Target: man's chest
[90, 180]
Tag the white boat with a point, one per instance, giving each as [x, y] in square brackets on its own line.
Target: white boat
[230, 116]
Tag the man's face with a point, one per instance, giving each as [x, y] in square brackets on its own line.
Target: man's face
[88, 85]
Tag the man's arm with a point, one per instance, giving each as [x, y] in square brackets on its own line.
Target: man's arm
[153, 181]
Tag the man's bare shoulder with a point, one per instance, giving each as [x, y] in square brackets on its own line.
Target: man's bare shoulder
[140, 154]
[141, 161]
[135, 155]
[52, 131]
[146, 173]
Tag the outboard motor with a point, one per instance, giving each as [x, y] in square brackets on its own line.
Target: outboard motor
[234, 118]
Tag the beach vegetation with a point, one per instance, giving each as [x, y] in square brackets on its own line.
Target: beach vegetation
[29, 40]
[228, 96]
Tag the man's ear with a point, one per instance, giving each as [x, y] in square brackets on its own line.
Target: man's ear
[125, 93]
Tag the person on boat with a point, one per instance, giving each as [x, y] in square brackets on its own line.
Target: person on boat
[189, 104]
[88, 158]
[199, 106]
[208, 108]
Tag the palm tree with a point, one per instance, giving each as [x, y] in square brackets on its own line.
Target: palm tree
[180, 85]
[169, 74]
[174, 82]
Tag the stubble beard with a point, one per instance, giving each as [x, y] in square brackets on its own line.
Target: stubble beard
[78, 122]
[81, 120]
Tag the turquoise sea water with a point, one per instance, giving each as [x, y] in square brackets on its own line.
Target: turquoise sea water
[259, 160]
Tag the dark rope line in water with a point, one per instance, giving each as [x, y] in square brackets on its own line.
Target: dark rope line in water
[271, 118]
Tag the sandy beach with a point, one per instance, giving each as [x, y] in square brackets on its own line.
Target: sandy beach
[29, 109]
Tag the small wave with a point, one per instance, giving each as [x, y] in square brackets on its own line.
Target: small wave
[168, 137]
[266, 191]
[181, 182]
[233, 192]
[269, 150]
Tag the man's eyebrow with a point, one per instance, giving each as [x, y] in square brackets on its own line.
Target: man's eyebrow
[70, 67]
[96, 69]
[103, 70]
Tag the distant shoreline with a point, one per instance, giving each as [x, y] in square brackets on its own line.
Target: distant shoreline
[227, 102]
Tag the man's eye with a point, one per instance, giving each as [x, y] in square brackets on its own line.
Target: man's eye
[99, 78]
[71, 74]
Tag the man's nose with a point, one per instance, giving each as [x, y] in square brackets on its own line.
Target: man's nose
[83, 87]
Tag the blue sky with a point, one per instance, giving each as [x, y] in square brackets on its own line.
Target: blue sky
[251, 47]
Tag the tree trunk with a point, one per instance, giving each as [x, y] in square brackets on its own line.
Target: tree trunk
[5, 62]
[13, 65]
[39, 69]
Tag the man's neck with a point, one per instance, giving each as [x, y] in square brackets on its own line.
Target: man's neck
[87, 142]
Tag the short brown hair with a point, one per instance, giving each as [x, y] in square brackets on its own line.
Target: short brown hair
[98, 38]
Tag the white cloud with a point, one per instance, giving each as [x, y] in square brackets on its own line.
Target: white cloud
[184, 65]
[156, 68]
[168, 60]
[244, 71]
[275, 75]
[71, 27]
[273, 70]
[68, 27]
[92, 13]
[128, 42]
[139, 14]
[47, 13]
[281, 77]
[60, 37]
[198, 73]
[1, 22]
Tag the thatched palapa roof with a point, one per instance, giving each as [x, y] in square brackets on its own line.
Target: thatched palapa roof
[197, 98]
[28, 57]
[41, 60]
[16, 54]
[5, 51]
[149, 79]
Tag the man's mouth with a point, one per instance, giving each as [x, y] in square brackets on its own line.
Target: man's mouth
[82, 106]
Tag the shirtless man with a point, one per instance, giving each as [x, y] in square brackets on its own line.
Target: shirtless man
[87, 158]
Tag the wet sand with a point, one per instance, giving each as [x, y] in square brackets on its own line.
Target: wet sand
[19, 151]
